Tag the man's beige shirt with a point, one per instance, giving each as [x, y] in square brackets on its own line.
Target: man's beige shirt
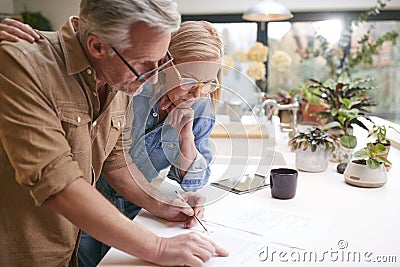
[52, 131]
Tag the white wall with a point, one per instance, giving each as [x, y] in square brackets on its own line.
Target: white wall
[57, 11]
[6, 6]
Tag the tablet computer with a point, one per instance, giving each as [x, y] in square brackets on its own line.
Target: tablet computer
[244, 184]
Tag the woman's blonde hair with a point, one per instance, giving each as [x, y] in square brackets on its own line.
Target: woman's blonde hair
[198, 40]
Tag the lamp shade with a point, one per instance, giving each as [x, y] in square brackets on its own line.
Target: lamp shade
[267, 10]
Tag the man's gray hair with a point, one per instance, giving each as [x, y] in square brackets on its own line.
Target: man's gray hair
[110, 20]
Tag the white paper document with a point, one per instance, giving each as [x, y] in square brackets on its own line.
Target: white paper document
[241, 245]
[277, 225]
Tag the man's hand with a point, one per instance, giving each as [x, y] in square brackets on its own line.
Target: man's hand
[14, 30]
[188, 250]
[178, 211]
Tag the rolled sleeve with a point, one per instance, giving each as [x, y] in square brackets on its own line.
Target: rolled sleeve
[60, 176]
[116, 161]
[195, 178]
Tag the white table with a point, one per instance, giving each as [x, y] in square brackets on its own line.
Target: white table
[367, 220]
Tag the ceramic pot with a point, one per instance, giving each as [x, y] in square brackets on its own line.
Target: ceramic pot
[341, 154]
[309, 161]
[307, 110]
[360, 175]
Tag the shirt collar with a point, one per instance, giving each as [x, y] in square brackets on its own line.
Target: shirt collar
[75, 58]
[149, 91]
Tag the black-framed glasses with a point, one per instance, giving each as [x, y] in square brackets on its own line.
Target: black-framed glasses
[147, 74]
[189, 83]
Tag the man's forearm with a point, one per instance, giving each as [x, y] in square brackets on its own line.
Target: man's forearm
[86, 208]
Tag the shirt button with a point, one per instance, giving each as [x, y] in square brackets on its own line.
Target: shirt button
[155, 114]
[171, 145]
[94, 123]
[89, 71]
[78, 119]
[118, 124]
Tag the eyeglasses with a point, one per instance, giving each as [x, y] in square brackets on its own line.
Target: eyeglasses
[147, 74]
[189, 83]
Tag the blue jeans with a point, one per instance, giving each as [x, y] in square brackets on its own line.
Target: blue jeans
[91, 251]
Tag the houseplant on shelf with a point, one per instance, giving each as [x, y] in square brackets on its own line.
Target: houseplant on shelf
[312, 147]
[367, 169]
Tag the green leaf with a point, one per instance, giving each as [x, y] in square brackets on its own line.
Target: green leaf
[354, 112]
[304, 145]
[380, 149]
[385, 160]
[313, 148]
[331, 125]
[346, 102]
[373, 164]
[348, 141]
[361, 154]
[342, 119]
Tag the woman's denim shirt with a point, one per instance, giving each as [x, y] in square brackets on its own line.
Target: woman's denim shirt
[156, 147]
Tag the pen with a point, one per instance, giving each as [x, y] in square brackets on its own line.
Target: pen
[184, 201]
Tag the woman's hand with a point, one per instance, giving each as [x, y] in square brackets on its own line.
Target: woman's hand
[181, 118]
[14, 30]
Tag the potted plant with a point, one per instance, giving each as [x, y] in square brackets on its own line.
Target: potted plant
[367, 169]
[312, 147]
[341, 126]
[311, 105]
[380, 134]
[333, 91]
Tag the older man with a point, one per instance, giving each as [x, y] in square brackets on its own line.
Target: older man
[62, 107]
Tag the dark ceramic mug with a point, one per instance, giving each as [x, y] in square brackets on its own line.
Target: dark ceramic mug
[283, 183]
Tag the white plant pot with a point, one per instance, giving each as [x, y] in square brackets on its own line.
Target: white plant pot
[341, 154]
[360, 175]
[311, 161]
